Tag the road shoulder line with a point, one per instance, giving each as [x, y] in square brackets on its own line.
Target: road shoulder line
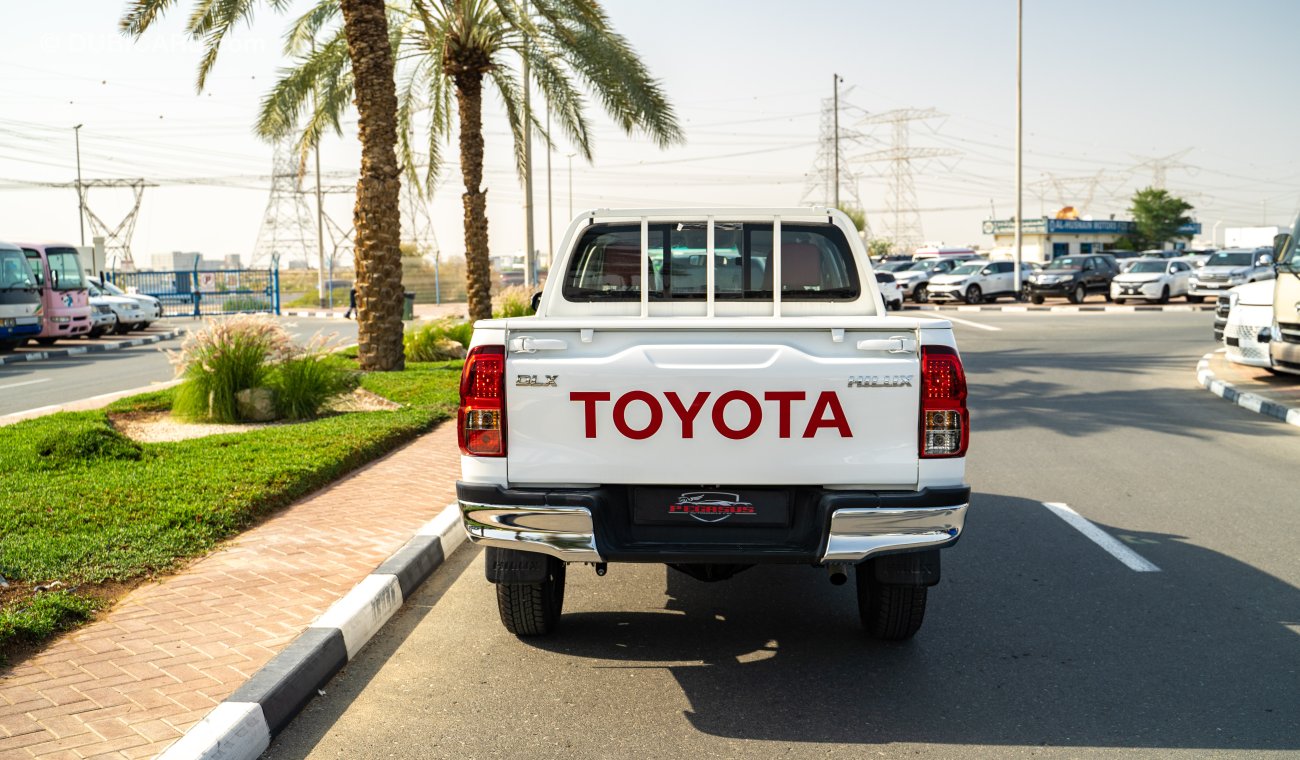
[243, 726]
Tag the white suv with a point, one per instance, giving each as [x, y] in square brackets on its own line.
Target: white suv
[915, 279]
[975, 282]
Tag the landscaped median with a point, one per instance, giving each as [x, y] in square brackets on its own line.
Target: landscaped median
[86, 512]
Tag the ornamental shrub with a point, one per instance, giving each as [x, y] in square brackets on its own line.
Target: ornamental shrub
[227, 356]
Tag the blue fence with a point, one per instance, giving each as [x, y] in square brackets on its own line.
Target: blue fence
[201, 293]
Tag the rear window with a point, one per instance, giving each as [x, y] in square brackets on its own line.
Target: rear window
[816, 262]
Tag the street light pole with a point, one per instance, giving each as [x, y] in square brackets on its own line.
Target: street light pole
[836, 141]
[528, 174]
[550, 215]
[81, 200]
[1020, 20]
[570, 156]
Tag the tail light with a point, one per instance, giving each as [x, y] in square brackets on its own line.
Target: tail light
[945, 423]
[482, 420]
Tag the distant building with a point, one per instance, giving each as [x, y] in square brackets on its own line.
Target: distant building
[1044, 239]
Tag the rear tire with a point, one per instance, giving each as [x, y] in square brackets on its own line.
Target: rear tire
[533, 609]
[889, 612]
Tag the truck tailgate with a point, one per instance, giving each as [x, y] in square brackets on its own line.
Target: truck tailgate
[789, 406]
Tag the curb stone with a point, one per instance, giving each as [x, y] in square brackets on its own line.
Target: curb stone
[242, 726]
[1252, 401]
[90, 348]
[314, 314]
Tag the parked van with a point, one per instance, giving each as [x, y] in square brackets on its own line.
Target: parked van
[20, 299]
[65, 302]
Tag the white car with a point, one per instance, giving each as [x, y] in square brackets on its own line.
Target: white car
[889, 290]
[128, 313]
[1230, 268]
[151, 306]
[975, 282]
[915, 279]
[1250, 310]
[102, 319]
[1152, 279]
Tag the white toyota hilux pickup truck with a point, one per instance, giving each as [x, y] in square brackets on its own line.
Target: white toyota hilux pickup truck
[669, 404]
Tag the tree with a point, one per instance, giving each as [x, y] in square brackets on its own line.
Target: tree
[1158, 217]
[857, 215]
[878, 248]
[447, 48]
[364, 41]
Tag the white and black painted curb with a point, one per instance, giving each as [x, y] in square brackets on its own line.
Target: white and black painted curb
[1063, 308]
[243, 725]
[1252, 401]
[90, 348]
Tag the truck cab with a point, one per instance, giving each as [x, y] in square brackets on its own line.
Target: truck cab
[20, 299]
[65, 299]
[713, 389]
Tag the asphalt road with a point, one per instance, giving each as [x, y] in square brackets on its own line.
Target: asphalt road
[31, 385]
[1038, 642]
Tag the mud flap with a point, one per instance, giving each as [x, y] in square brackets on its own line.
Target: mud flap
[513, 566]
[910, 569]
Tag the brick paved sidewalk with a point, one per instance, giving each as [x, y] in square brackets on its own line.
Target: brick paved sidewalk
[134, 681]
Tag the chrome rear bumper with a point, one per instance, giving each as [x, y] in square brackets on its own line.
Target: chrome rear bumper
[855, 533]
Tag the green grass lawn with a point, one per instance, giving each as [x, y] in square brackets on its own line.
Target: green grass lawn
[83, 506]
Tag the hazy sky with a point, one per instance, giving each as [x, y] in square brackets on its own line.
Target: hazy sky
[1108, 86]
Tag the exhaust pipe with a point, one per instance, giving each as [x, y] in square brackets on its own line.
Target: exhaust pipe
[839, 573]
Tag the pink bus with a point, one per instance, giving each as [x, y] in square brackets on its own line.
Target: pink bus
[64, 297]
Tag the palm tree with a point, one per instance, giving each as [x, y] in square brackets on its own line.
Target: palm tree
[364, 40]
[447, 48]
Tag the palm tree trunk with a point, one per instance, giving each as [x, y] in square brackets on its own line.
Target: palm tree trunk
[376, 216]
[478, 272]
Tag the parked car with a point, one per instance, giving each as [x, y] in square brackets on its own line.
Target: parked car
[1073, 277]
[128, 313]
[894, 266]
[1221, 308]
[152, 306]
[889, 290]
[102, 319]
[1152, 279]
[975, 282]
[1250, 311]
[1161, 253]
[1230, 268]
[915, 279]
[1284, 335]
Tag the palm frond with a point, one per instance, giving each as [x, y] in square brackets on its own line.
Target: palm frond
[304, 31]
[140, 15]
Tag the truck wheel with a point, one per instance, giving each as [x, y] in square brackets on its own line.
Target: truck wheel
[1194, 299]
[921, 294]
[533, 609]
[889, 612]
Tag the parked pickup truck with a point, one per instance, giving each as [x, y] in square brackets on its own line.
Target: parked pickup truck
[710, 421]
